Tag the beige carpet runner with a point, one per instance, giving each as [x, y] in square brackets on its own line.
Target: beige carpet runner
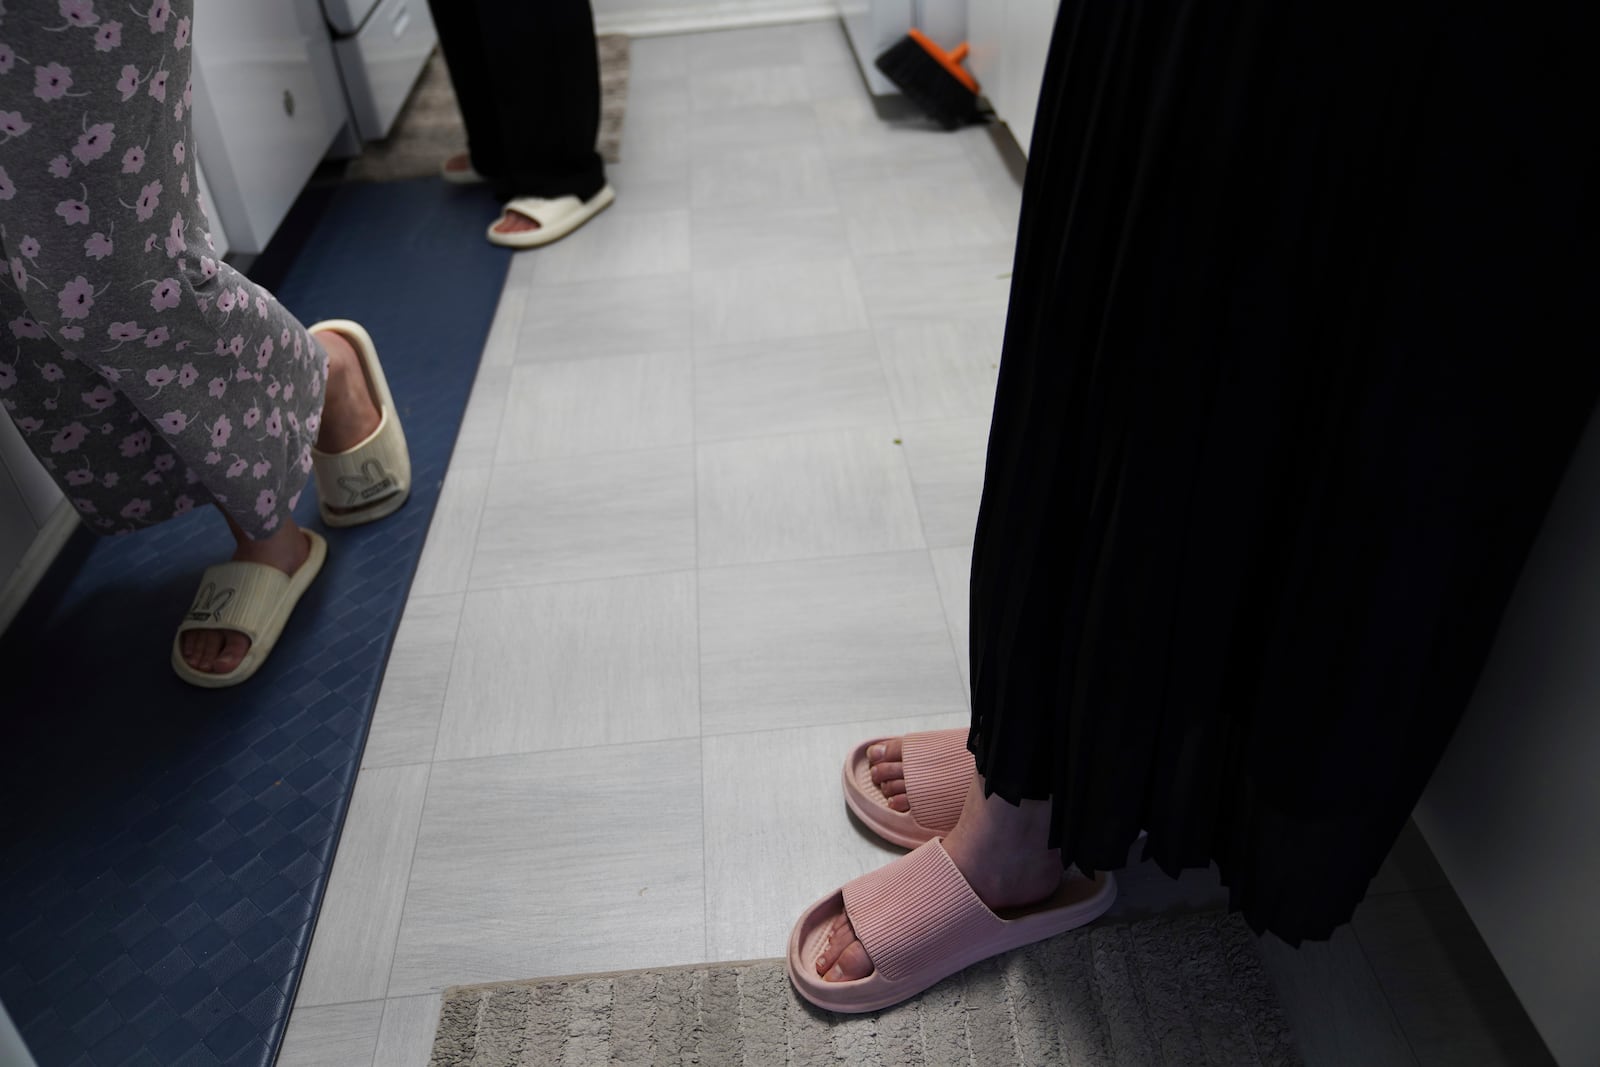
[1185, 991]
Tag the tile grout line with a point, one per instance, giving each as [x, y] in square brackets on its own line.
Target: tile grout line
[1383, 987]
[444, 700]
[514, 329]
[916, 500]
[377, 1038]
[949, 628]
[678, 739]
[899, 431]
[699, 628]
[455, 638]
[405, 900]
[483, 507]
[739, 439]
[694, 570]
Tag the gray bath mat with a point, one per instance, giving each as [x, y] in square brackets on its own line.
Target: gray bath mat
[429, 129]
[1184, 991]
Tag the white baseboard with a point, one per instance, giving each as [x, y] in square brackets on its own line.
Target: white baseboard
[694, 18]
[47, 544]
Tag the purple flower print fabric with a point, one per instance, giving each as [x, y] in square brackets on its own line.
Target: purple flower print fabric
[148, 376]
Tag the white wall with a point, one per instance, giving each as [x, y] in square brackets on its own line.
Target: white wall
[644, 17]
[1010, 42]
[877, 25]
[641, 18]
[1513, 812]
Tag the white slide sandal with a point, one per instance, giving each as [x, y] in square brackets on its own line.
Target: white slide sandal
[465, 176]
[250, 598]
[556, 218]
[372, 479]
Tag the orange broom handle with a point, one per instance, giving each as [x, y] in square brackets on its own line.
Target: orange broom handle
[950, 61]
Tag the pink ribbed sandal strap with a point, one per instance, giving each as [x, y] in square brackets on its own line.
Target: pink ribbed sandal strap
[938, 770]
[919, 909]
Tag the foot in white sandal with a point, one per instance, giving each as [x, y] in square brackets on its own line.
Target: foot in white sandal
[369, 478]
[242, 605]
[531, 221]
[240, 610]
[458, 170]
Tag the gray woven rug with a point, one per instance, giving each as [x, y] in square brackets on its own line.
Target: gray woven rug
[1185, 991]
[429, 128]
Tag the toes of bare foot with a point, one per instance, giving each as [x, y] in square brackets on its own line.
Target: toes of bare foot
[888, 772]
[206, 646]
[843, 958]
[854, 964]
[839, 935]
[887, 751]
[512, 222]
[213, 651]
[234, 647]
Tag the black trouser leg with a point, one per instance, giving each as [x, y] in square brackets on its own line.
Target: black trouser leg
[461, 41]
[528, 79]
[546, 73]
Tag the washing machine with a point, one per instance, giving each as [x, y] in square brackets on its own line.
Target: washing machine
[381, 47]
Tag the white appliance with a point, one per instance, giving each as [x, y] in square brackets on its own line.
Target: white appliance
[381, 46]
[267, 106]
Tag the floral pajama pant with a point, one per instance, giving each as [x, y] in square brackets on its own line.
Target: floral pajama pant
[146, 375]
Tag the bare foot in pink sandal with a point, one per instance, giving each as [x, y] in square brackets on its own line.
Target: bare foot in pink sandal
[909, 789]
[885, 763]
[989, 887]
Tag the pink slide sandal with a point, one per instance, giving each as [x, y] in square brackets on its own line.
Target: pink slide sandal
[938, 770]
[920, 922]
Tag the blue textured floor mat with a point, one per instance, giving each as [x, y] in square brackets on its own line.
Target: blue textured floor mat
[163, 849]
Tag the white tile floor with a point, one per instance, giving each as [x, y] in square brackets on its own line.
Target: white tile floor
[708, 524]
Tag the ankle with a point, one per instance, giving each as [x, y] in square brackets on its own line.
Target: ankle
[286, 549]
[349, 410]
[1003, 849]
[344, 367]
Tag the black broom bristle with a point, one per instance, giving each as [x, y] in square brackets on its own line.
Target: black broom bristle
[926, 83]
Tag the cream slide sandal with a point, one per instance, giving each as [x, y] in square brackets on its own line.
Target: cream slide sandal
[251, 598]
[556, 218]
[372, 479]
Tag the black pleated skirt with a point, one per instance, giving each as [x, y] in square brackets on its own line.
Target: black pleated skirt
[1294, 364]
